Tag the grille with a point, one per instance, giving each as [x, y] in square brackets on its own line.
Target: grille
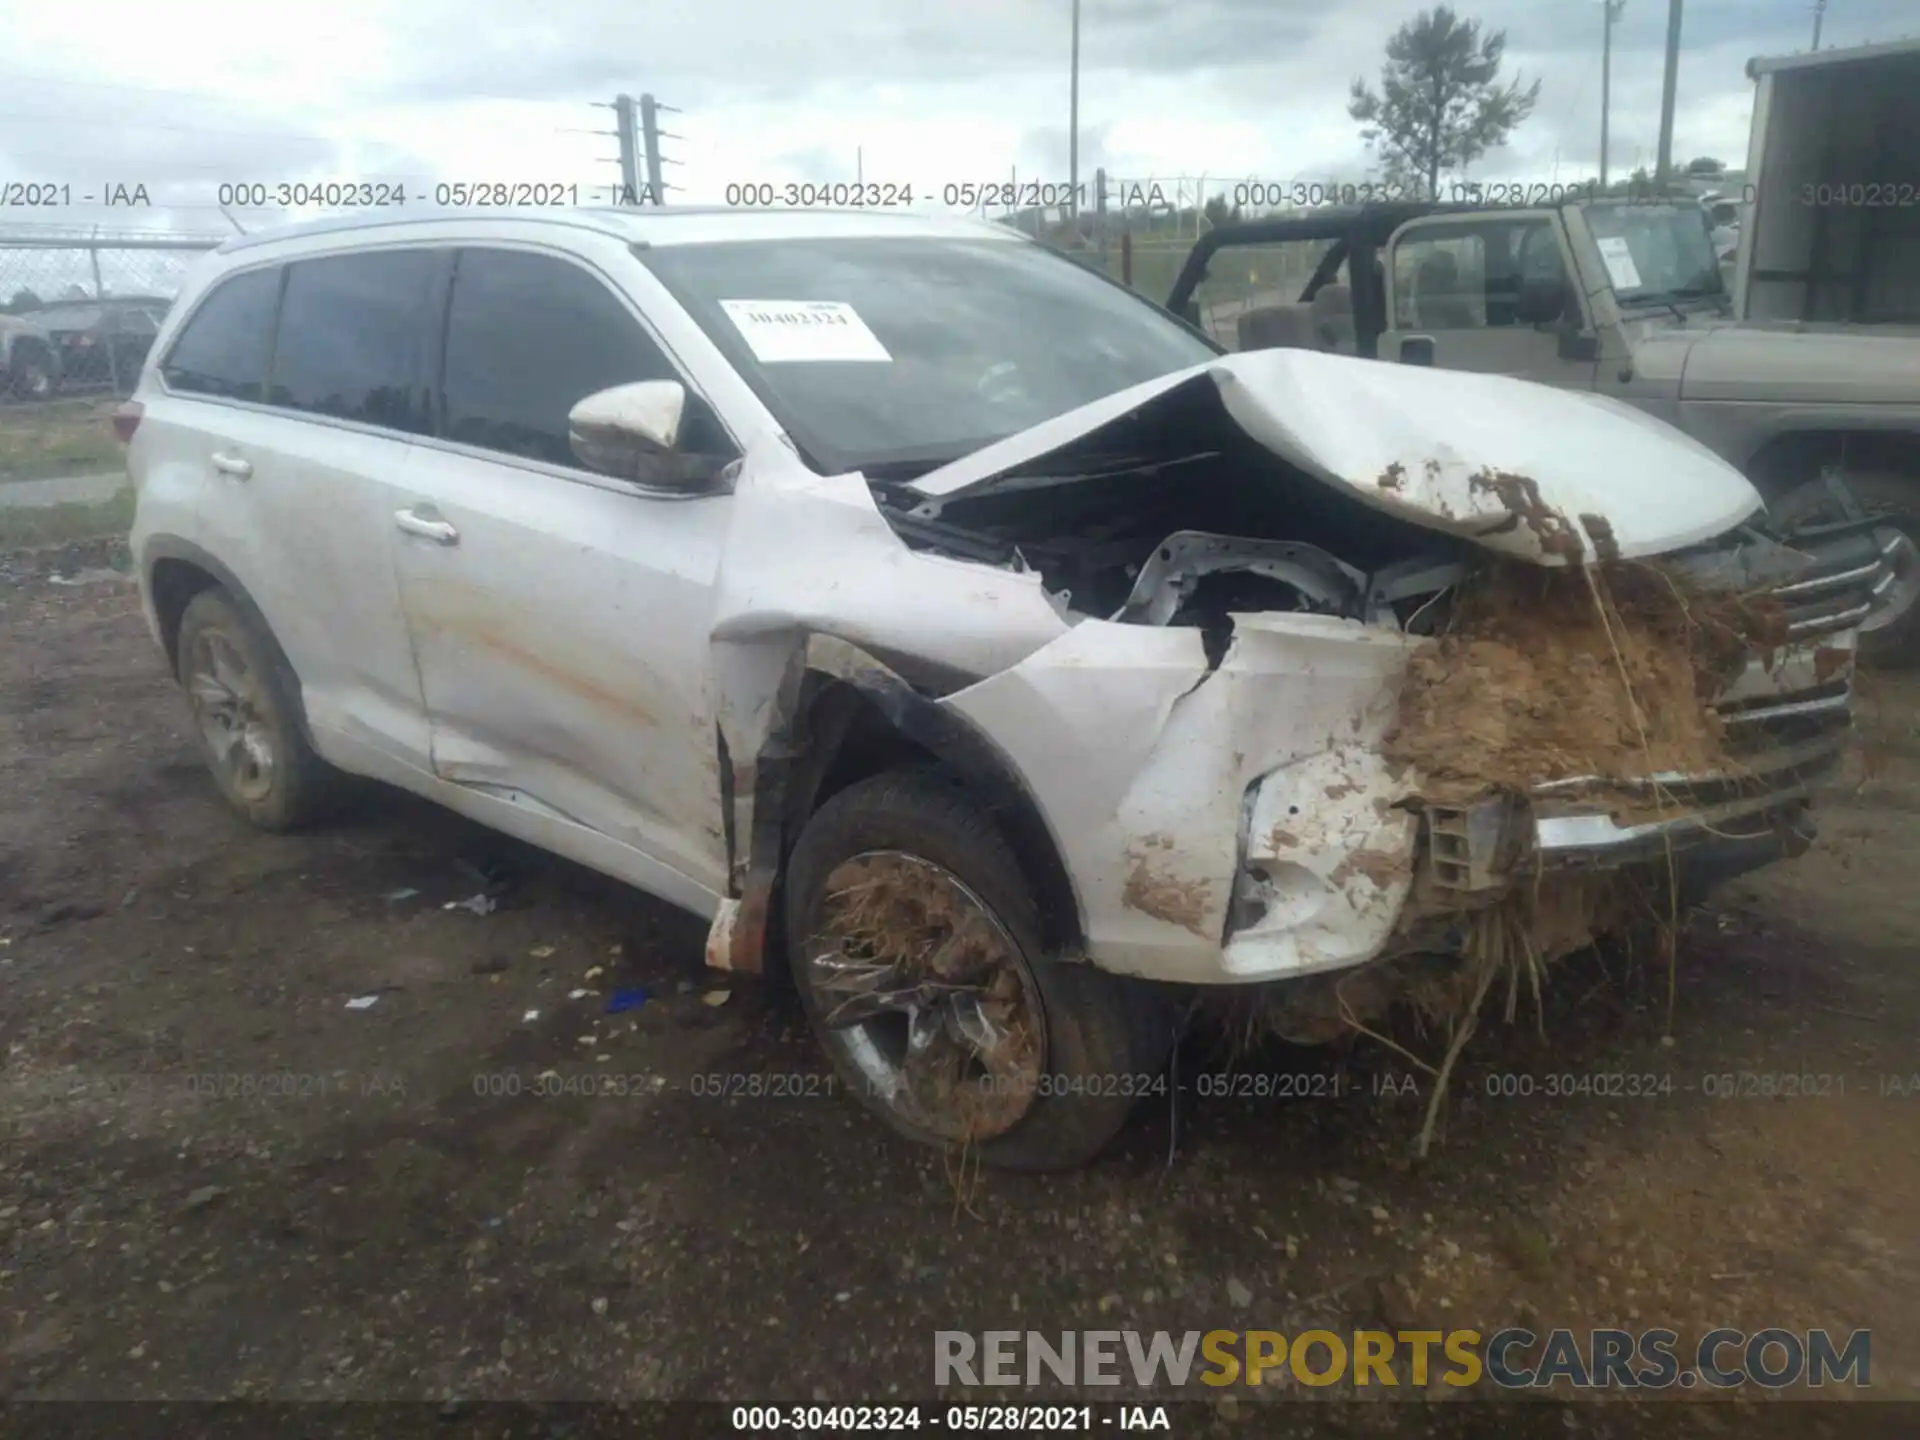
[1803, 691]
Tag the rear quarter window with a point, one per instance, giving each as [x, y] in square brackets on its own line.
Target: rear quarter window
[222, 351]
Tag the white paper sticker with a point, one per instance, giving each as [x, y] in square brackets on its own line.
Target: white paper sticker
[783, 330]
[1620, 267]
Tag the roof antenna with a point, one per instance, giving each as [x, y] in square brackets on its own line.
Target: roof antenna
[231, 221]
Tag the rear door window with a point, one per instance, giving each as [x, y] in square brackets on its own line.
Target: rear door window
[351, 341]
[223, 350]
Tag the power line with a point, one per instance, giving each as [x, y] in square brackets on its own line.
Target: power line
[637, 128]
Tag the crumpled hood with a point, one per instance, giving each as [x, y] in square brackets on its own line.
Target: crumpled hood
[1544, 474]
[1793, 363]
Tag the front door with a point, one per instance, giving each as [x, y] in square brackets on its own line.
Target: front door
[1454, 297]
[560, 618]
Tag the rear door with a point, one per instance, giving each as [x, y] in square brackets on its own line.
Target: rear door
[560, 617]
[1453, 286]
[302, 491]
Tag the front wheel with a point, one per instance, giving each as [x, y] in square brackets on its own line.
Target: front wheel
[915, 947]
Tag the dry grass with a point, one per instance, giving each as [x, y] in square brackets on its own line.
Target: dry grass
[25, 525]
[45, 439]
[905, 931]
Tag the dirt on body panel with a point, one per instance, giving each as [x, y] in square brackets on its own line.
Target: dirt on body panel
[1154, 891]
[552, 662]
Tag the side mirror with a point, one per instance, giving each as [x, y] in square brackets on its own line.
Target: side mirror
[1541, 302]
[632, 432]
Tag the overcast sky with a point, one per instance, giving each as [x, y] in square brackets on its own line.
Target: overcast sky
[184, 95]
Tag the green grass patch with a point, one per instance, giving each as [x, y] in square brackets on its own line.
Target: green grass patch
[44, 439]
[24, 525]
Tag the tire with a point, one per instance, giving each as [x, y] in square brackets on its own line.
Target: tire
[240, 693]
[1892, 642]
[1095, 1035]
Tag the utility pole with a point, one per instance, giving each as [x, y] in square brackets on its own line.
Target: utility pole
[1611, 10]
[1073, 122]
[650, 136]
[1819, 14]
[1663, 167]
[629, 169]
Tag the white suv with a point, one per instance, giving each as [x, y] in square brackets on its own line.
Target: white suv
[938, 617]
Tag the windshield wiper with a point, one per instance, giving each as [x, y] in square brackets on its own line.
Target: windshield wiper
[1105, 466]
[903, 472]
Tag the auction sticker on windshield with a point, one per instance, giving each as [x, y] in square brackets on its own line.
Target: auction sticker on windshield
[784, 330]
[1619, 259]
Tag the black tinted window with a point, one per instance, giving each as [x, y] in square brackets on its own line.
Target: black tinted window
[349, 339]
[223, 350]
[529, 336]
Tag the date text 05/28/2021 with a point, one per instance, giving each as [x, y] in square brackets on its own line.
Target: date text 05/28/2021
[955, 1419]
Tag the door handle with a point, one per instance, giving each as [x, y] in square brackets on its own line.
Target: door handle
[234, 465]
[426, 527]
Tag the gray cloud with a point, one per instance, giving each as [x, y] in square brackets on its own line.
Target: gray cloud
[1043, 150]
[1280, 68]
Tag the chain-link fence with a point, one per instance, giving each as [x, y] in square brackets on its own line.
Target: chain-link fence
[1140, 231]
[78, 313]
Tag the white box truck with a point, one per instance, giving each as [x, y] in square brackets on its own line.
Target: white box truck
[1832, 230]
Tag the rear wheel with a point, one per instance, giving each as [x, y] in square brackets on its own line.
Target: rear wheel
[916, 950]
[244, 714]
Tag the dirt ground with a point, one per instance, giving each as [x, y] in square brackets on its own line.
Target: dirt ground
[218, 1180]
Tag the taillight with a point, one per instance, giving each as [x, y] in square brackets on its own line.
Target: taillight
[126, 419]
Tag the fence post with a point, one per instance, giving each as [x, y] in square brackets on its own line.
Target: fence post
[106, 330]
[1126, 257]
[1100, 213]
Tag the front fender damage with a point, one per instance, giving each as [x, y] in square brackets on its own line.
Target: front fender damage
[812, 579]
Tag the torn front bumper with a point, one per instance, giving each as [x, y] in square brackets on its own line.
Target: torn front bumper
[1236, 823]
[1220, 823]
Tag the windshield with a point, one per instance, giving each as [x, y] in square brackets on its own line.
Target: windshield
[906, 352]
[1657, 252]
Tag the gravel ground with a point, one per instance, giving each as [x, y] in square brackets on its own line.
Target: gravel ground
[218, 1180]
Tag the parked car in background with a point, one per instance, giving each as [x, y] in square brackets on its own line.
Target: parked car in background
[28, 367]
[100, 342]
[1623, 297]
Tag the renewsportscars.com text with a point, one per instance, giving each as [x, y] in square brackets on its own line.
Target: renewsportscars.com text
[1515, 1358]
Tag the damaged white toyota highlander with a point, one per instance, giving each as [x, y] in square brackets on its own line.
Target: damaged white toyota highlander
[968, 637]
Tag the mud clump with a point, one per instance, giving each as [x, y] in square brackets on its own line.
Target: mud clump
[1554, 674]
[895, 933]
[1520, 495]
